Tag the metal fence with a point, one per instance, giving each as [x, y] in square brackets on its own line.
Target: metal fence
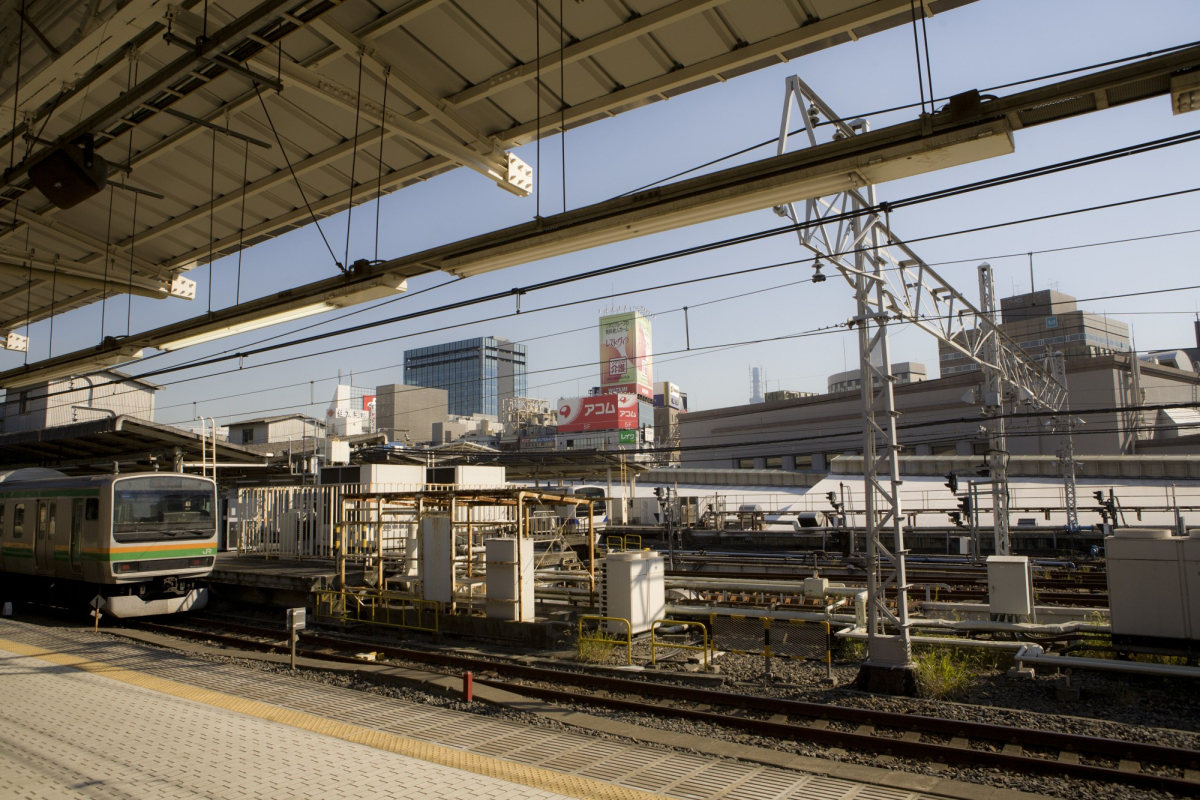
[673, 645]
[390, 609]
[302, 521]
[799, 640]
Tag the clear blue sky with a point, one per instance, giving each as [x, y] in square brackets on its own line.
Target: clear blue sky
[984, 44]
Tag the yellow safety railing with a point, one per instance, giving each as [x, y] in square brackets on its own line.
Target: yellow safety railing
[391, 609]
[616, 543]
[604, 640]
[654, 643]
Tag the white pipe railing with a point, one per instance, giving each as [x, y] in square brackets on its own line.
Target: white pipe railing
[1033, 654]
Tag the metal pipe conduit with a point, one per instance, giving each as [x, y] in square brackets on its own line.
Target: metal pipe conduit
[861, 634]
[1033, 654]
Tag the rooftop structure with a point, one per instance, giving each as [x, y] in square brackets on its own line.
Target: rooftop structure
[408, 413]
[108, 393]
[851, 381]
[1046, 322]
[270, 430]
[807, 433]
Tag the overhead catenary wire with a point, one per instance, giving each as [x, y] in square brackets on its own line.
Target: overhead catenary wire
[717, 245]
[1024, 175]
[243, 354]
[905, 107]
[526, 340]
[830, 329]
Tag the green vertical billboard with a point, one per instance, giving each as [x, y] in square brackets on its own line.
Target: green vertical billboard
[625, 353]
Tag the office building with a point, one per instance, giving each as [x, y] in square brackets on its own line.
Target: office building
[904, 372]
[475, 373]
[1047, 322]
[408, 413]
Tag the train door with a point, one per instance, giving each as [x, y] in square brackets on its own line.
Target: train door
[43, 546]
[76, 550]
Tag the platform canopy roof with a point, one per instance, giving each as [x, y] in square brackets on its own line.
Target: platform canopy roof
[143, 84]
[133, 444]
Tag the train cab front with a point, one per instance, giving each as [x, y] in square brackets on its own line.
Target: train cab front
[163, 542]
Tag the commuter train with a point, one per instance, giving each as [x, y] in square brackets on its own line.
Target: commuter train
[140, 542]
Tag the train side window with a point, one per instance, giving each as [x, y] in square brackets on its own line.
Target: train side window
[92, 511]
[50, 525]
[18, 520]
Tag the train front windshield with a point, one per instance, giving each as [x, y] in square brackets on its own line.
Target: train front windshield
[162, 508]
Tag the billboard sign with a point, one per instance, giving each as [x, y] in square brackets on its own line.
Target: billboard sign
[602, 412]
[626, 354]
[627, 437]
[667, 395]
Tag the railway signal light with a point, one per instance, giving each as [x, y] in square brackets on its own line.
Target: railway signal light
[966, 505]
[952, 483]
[1099, 495]
[956, 518]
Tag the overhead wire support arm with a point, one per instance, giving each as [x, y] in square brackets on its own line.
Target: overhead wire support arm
[893, 283]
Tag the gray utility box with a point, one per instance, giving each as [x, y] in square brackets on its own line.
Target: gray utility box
[510, 579]
[633, 588]
[1010, 586]
[1154, 583]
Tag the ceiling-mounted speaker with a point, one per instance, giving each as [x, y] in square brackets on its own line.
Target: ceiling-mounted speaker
[70, 174]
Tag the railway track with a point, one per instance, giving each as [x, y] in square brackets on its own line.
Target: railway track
[932, 739]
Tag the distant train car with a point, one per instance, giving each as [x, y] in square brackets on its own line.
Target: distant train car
[139, 541]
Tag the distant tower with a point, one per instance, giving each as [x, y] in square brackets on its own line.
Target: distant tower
[756, 382]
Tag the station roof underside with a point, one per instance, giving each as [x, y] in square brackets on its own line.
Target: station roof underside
[462, 87]
[85, 447]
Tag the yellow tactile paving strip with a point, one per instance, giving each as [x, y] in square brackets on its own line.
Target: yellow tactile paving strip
[547, 780]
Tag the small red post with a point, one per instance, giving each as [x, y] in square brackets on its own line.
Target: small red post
[468, 687]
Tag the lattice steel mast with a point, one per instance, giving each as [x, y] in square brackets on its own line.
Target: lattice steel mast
[891, 282]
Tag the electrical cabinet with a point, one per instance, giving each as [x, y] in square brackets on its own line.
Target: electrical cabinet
[633, 587]
[1154, 583]
[1010, 586]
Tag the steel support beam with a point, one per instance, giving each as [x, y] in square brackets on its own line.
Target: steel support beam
[995, 396]
[126, 102]
[498, 166]
[437, 109]
[922, 296]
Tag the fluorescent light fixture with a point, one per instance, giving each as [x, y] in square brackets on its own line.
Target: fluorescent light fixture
[247, 325]
[37, 375]
[751, 187]
[351, 294]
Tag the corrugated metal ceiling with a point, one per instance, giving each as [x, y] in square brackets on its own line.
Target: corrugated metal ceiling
[461, 77]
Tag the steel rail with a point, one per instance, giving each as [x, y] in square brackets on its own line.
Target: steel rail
[1087, 746]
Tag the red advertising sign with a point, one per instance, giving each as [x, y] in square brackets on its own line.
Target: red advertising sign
[604, 412]
[369, 404]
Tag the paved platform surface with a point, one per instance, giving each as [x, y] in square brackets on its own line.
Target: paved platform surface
[67, 733]
[90, 716]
